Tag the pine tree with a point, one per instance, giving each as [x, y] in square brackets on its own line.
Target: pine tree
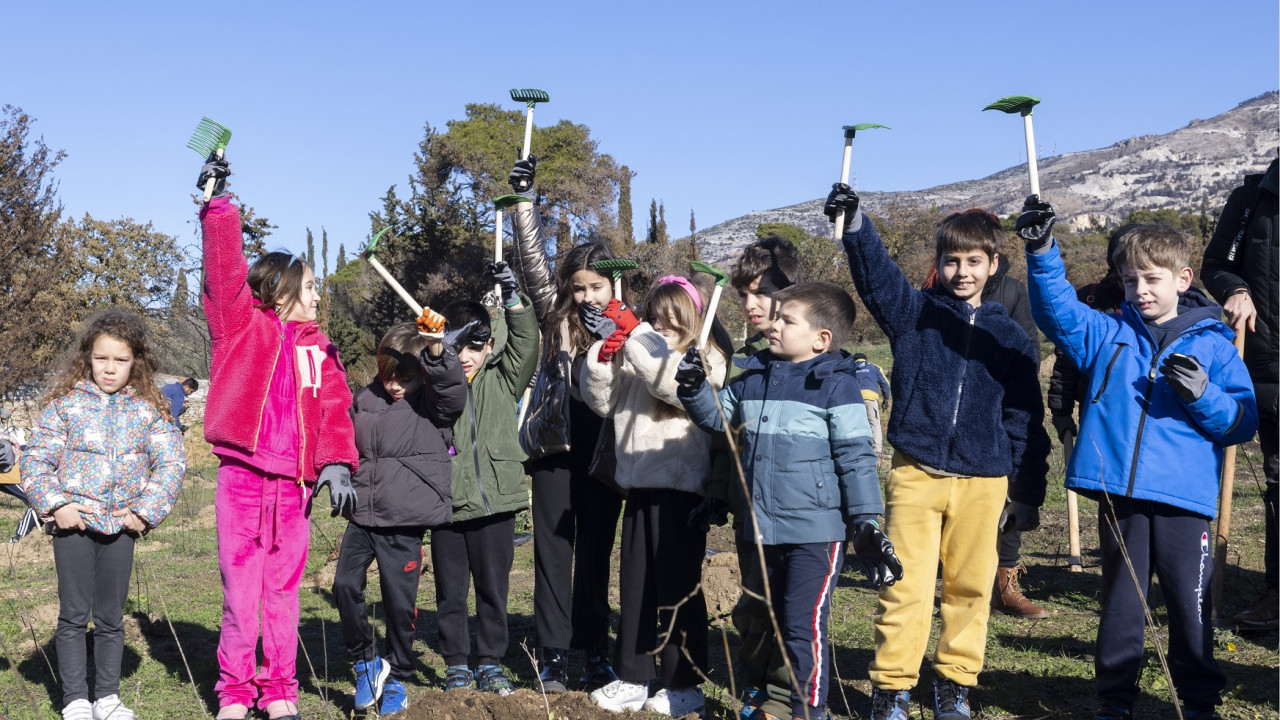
[652, 235]
[310, 257]
[693, 237]
[624, 206]
[342, 258]
[178, 307]
[662, 224]
[324, 280]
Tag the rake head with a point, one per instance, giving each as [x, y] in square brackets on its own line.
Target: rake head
[851, 130]
[1021, 104]
[502, 202]
[722, 277]
[210, 135]
[615, 267]
[530, 96]
[373, 244]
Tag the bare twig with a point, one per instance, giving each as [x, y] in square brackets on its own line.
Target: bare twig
[536, 673]
[199, 701]
[728, 659]
[22, 616]
[328, 707]
[35, 710]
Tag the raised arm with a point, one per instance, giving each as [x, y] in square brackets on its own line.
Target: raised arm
[883, 288]
[445, 387]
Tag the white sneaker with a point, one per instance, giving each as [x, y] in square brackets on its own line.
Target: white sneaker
[677, 703]
[621, 695]
[109, 708]
[77, 710]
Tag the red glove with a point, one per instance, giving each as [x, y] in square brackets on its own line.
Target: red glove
[621, 315]
[612, 345]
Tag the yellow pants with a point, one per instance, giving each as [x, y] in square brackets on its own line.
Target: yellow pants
[931, 517]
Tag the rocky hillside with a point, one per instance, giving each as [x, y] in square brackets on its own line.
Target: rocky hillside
[1201, 162]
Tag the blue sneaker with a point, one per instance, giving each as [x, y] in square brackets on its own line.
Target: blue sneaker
[950, 700]
[890, 704]
[371, 675]
[752, 698]
[393, 698]
[458, 677]
[493, 679]
[1112, 711]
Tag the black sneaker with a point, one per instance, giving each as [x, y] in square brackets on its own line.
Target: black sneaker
[458, 677]
[890, 704]
[597, 672]
[493, 679]
[950, 700]
[553, 670]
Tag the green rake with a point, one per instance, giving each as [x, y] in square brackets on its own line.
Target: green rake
[1023, 104]
[614, 268]
[210, 136]
[500, 203]
[529, 97]
[722, 279]
[367, 254]
[849, 132]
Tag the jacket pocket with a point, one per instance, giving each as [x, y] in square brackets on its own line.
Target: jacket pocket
[808, 485]
[1106, 375]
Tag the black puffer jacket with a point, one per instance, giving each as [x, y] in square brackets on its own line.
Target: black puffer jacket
[405, 469]
[1253, 266]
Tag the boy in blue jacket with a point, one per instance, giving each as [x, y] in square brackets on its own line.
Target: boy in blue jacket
[1166, 392]
[810, 468]
[966, 426]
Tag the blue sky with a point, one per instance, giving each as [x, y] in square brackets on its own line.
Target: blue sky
[722, 108]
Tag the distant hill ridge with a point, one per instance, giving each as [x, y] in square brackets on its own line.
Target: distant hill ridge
[1200, 162]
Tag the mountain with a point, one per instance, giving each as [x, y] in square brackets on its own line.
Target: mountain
[1198, 163]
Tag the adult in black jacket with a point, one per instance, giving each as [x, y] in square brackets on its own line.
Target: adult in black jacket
[1240, 271]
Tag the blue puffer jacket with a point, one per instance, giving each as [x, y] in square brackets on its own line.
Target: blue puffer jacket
[1138, 438]
[965, 385]
[806, 446]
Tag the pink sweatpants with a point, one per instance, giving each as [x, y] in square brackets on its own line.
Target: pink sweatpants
[263, 536]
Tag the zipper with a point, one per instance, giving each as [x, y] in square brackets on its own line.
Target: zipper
[475, 451]
[302, 420]
[111, 460]
[1146, 399]
[955, 414]
[267, 396]
[1106, 377]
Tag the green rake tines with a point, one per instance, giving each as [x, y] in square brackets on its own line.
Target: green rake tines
[1021, 104]
[373, 244]
[530, 96]
[722, 277]
[210, 135]
[614, 268]
[851, 130]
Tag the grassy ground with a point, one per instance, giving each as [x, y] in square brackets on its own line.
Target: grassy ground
[1035, 669]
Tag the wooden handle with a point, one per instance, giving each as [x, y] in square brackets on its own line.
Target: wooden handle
[404, 294]
[838, 231]
[208, 184]
[1222, 538]
[1032, 170]
[1074, 562]
[709, 318]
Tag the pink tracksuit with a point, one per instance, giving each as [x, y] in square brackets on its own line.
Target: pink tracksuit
[277, 413]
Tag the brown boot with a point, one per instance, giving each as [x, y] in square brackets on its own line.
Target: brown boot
[1008, 599]
[1263, 614]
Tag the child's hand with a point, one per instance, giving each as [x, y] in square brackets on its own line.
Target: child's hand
[472, 331]
[841, 199]
[874, 551]
[215, 167]
[1186, 376]
[68, 517]
[1064, 424]
[430, 323]
[1019, 516]
[621, 315]
[1035, 224]
[131, 520]
[595, 322]
[500, 272]
[711, 511]
[522, 176]
[342, 497]
[690, 373]
[612, 346]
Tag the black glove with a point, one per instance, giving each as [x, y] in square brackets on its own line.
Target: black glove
[691, 373]
[342, 497]
[215, 167]
[6, 456]
[472, 332]
[595, 321]
[1035, 224]
[1019, 516]
[501, 273]
[1186, 376]
[841, 199]
[711, 511]
[875, 552]
[521, 177]
[1064, 424]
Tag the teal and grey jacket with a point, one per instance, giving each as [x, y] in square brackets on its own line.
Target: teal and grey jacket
[806, 445]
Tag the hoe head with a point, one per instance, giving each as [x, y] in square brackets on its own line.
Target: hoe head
[1021, 104]
[615, 267]
[530, 96]
[722, 277]
[210, 135]
[373, 244]
[851, 130]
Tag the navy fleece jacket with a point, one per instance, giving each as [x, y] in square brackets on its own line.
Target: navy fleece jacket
[965, 383]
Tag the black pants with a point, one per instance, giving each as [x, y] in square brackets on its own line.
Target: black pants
[801, 580]
[93, 579]
[479, 551]
[1175, 544]
[1269, 438]
[575, 519]
[398, 551]
[661, 566]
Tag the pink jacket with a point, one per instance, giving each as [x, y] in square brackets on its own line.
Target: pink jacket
[247, 343]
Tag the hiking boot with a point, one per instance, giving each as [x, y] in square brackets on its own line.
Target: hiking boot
[597, 672]
[394, 699]
[621, 695]
[677, 703]
[458, 677]
[890, 704]
[110, 708]
[1112, 711]
[1008, 599]
[553, 670]
[1263, 614]
[752, 698]
[493, 679]
[950, 700]
[371, 675]
[78, 710]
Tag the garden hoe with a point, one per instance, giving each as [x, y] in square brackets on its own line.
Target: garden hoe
[210, 137]
[721, 278]
[1023, 105]
[1223, 534]
[614, 268]
[849, 132]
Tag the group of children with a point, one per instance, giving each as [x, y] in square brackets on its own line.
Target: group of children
[629, 417]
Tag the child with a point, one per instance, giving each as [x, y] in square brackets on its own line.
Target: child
[277, 417]
[875, 392]
[966, 427]
[488, 487]
[1167, 392]
[662, 462]
[103, 466]
[810, 469]
[575, 516]
[402, 422]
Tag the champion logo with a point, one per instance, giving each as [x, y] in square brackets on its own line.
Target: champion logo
[411, 566]
[1204, 557]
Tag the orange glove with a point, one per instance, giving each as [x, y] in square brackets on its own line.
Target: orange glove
[430, 323]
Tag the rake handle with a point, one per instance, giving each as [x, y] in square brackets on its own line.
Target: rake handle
[208, 184]
[1032, 170]
[528, 132]
[1222, 537]
[710, 317]
[1074, 562]
[844, 178]
[497, 250]
[404, 294]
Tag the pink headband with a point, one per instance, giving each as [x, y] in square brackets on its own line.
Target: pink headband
[688, 287]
